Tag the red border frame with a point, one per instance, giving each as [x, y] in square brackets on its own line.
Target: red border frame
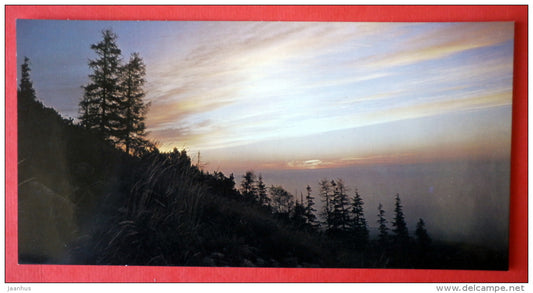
[518, 258]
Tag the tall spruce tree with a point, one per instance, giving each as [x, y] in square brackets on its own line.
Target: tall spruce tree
[100, 108]
[133, 108]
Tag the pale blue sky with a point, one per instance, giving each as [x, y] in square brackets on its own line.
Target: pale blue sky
[299, 94]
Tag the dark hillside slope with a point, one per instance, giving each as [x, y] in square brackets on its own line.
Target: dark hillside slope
[63, 172]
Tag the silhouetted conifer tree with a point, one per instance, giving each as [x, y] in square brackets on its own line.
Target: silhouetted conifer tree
[383, 236]
[100, 106]
[179, 158]
[25, 94]
[261, 189]
[422, 238]
[326, 196]
[298, 214]
[340, 207]
[25, 89]
[223, 185]
[401, 235]
[309, 210]
[248, 188]
[358, 222]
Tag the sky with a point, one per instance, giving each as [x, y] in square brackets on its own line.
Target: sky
[279, 97]
[327, 94]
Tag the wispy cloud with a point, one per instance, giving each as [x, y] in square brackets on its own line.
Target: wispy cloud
[444, 41]
[468, 102]
[225, 85]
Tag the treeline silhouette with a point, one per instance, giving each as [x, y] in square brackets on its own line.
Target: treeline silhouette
[97, 192]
